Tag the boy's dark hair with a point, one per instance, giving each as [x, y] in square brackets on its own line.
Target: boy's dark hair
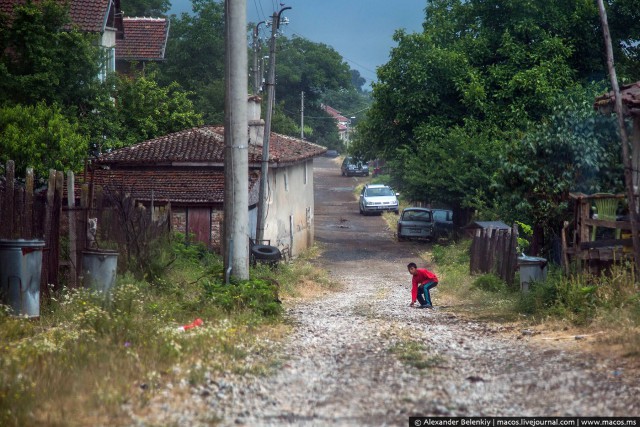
[412, 264]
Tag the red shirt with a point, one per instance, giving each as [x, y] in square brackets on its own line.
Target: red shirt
[421, 277]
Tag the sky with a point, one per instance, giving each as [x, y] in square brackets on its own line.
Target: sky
[359, 30]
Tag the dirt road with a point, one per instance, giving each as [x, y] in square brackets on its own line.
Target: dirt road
[352, 356]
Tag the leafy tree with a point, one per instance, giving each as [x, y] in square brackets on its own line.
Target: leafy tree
[315, 69]
[152, 8]
[574, 149]
[478, 80]
[142, 110]
[195, 58]
[41, 137]
[40, 60]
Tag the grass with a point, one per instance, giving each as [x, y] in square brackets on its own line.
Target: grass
[608, 304]
[87, 358]
[415, 354]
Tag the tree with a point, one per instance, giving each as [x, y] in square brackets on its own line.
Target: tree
[315, 69]
[41, 137]
[479, 78]
[152, 8]
[574, 149]
[42, 60]
[138, 109]
[195, 58]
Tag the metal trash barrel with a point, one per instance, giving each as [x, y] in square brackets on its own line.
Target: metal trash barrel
[99, 269]
[532, 269]
[20, 272]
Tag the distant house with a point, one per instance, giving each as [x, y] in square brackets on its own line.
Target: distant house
[342, 122]
[101, 17]
[186, 169]
[144, 41]
[127, 43]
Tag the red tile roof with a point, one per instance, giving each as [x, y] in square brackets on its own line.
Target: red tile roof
[88, 15]
[145, 39]
[630, 96]
[204, 186]
[205, 146]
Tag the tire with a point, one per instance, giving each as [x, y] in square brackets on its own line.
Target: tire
[266, 252]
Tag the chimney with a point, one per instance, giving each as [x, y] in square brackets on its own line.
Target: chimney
[256, 124]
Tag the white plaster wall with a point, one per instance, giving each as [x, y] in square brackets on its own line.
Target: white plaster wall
[289, 221]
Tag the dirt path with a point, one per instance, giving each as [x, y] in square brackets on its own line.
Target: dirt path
[351, 356]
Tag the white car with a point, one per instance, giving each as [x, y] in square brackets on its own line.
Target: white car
[377, 198]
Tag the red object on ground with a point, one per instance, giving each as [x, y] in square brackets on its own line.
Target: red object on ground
[192, 325]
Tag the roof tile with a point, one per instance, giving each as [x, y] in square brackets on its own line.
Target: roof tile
[206, 145]
[144, 39]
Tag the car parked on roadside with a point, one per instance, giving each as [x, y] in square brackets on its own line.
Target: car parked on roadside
[352, 166]
[443, 222]
[416, 223]
[377, 198]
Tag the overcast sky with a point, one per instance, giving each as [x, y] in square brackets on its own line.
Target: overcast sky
[360, 30]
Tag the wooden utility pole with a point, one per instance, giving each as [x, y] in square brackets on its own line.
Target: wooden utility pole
[236, 138]
[257, 74]
[626, 159]
[271, 92]
[302, 115]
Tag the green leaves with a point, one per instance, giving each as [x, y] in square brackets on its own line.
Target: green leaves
[40, 137]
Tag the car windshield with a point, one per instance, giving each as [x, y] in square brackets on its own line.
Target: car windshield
[383, 191]
[417, 216]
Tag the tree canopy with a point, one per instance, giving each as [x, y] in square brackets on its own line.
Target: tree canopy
[466, 103]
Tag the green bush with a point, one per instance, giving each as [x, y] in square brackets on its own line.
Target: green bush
[490, 283]
[255, 294]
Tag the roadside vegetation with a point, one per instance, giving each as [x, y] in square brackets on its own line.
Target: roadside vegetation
[87, 359]
[606, 305]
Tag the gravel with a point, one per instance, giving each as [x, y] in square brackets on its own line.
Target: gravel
[348, 361]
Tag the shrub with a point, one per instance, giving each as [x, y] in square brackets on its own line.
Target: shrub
[490, 283]
[255, 294]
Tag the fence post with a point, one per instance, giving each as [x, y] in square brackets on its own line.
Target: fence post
[28, 200]
[6, 230]
[71, 204]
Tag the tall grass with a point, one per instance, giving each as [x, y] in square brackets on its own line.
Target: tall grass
[609, 302]
[88, 357]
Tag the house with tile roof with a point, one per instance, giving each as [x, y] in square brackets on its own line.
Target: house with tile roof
[127, 43]
[341, 122]
[101, 17]
[186, 170]
[144, 41]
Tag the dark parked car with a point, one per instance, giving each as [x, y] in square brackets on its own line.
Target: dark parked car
[443, 222]
[352, 167]
[416, 223]
[332, 154]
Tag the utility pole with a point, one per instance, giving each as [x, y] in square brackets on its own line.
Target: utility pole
[271, 91]
[626, 159]
[301, 115]
[236, 152]
[257, 75]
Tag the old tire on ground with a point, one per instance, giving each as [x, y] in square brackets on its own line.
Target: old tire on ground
[266, 252]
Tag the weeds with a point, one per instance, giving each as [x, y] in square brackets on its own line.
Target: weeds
[609, 302]
[88, 355]
[416, 355]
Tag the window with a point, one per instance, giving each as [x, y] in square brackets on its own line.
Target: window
[108, 62]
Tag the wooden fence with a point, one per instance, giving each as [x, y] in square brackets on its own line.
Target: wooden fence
[72, 219]
[494, 251]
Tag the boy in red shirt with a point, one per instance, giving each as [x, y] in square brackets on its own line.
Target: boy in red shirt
[422, 281]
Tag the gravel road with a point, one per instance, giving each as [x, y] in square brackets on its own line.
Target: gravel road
[350, 359]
